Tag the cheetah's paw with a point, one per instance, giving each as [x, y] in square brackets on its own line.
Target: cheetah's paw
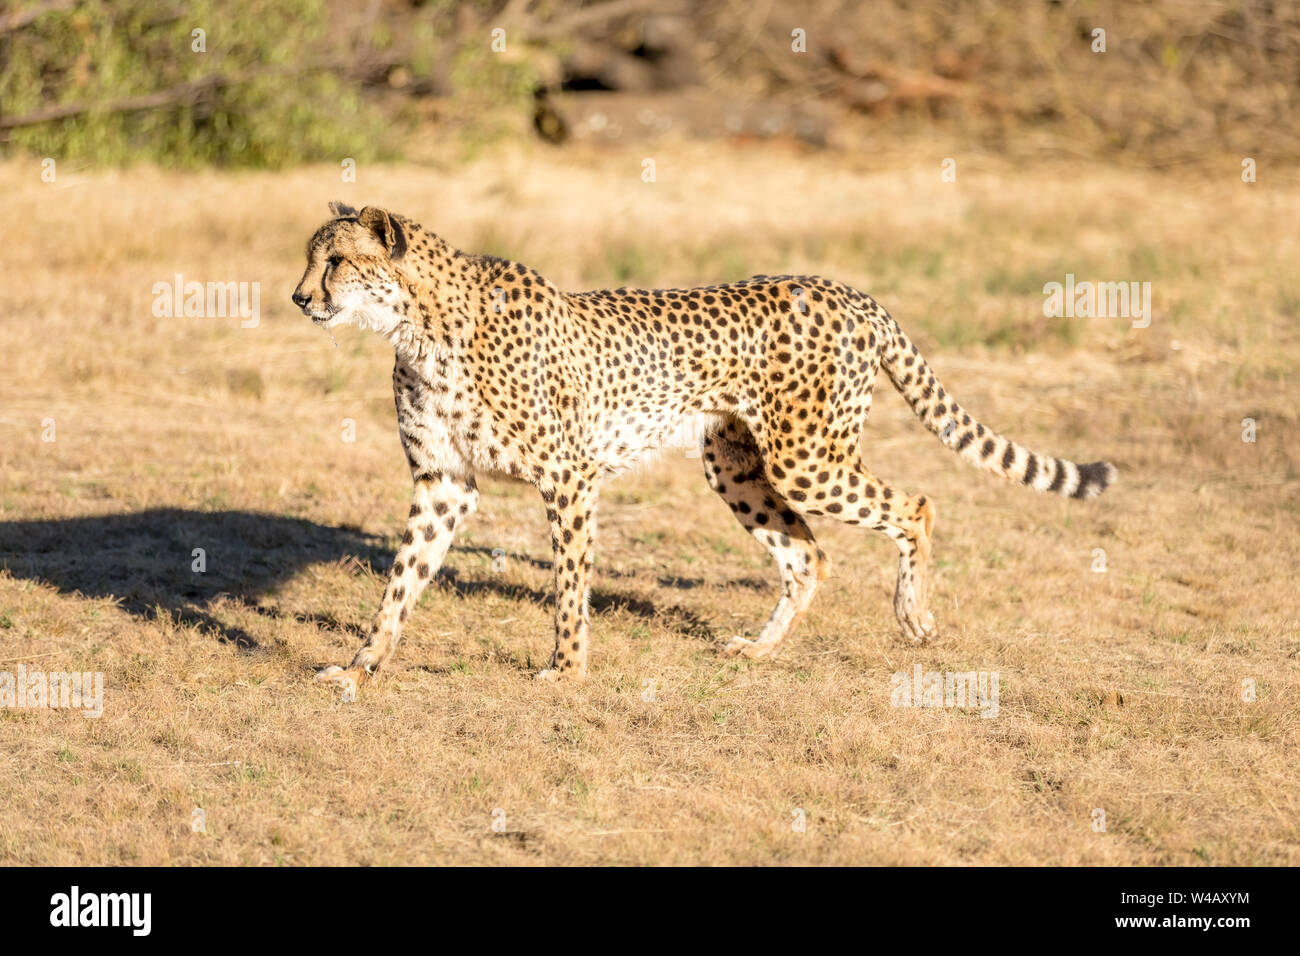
[568, 675]
[348, 679]
[754, 650]
[920, 628]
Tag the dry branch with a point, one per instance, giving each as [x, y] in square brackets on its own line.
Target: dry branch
[19, 18]
[185, 94]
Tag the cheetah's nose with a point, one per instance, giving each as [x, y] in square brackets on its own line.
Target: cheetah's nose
[299, 299]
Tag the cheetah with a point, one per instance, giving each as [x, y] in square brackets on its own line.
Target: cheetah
[498, 371]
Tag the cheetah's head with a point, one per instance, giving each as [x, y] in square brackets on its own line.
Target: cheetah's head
[354, 271]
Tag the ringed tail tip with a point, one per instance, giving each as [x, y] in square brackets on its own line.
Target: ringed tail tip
[1094, 478]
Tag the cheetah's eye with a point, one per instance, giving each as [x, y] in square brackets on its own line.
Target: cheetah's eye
[333, 262]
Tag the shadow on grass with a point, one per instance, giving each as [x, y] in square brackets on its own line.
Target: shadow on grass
[682, 620]
[147, 562]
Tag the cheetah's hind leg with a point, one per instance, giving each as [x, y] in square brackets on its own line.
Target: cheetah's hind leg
[837, 485]
[915, 520]
[734, 468]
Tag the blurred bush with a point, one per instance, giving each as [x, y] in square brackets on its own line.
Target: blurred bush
[284, 81]
[235, 82]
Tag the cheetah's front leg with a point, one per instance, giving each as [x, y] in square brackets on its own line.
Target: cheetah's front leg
[571, 508]
[439, 503]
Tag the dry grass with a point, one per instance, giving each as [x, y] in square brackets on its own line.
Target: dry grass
[174, 434]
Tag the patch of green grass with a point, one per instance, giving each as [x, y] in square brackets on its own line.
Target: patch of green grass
[490, 241]
[217, 500]
[726, 261]
[1147, 262]
[1180, 311]
[1004, 281]
[1005, 333]
[629, 264]
[721, 546]
[334, 380]
[1065, 330]
[1287, 302]
[246, 381]
[892, 263]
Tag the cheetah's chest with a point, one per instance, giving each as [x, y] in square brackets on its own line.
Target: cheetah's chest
[442, 401]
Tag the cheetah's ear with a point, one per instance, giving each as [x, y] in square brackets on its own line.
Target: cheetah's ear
[340, 209]
[386, 229]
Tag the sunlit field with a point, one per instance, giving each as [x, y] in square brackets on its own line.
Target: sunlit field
[1146, 643]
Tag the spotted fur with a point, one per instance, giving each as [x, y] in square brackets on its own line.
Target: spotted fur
[499, 371]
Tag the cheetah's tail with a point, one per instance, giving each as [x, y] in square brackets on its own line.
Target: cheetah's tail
[978, 445]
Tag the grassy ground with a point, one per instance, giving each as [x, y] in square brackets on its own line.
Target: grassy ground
[1120, 691]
